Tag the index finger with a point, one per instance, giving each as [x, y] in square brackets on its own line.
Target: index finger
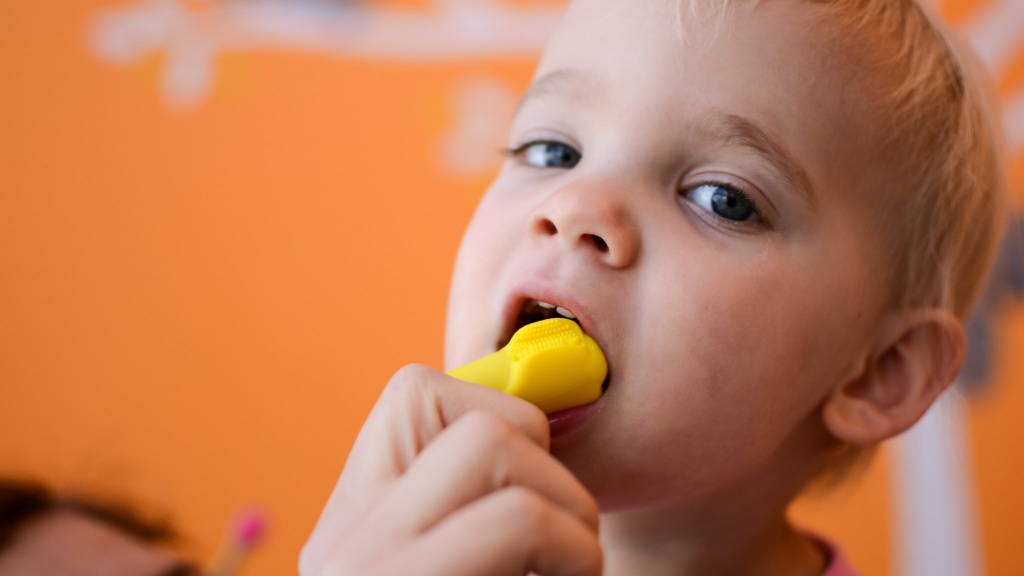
[419, 402]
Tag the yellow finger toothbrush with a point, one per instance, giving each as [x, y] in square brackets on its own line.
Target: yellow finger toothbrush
[551, 364]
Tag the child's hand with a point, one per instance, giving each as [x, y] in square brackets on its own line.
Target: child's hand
[454, 479]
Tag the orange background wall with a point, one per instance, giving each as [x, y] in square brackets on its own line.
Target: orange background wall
[199, 306]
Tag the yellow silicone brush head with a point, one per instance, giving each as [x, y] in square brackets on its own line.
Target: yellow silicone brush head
[550, 363]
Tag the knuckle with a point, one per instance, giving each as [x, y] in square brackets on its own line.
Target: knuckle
[591, 514]
[592, 558]
[486, 429]
[524, 506]
[409, 382]
[410, 375]
[533, 518]
[538, 422]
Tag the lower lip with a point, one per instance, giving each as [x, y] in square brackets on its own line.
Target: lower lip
[565, 422]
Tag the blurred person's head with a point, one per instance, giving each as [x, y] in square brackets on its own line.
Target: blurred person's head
[42, 532]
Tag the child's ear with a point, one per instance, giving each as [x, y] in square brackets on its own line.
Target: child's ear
[918, 356]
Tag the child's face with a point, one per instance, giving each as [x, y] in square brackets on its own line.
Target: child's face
[705, 207]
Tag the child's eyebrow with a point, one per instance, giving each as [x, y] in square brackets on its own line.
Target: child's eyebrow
[739, 132]
[571, 82]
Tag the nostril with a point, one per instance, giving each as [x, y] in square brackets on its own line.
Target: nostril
[547, 227]
[598, 242]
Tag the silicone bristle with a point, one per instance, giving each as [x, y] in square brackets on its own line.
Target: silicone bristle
[540, 336]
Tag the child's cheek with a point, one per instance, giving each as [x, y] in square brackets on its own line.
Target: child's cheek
[496, 228]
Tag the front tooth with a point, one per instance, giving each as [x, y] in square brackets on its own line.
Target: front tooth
[565, 313]
[545, 304]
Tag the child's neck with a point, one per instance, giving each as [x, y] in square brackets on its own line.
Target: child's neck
[738, 527]
[739, 530]
[652, 543]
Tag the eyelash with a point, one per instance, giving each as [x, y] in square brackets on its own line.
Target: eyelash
[520, 151]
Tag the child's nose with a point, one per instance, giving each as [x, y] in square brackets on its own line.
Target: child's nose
[591, 217]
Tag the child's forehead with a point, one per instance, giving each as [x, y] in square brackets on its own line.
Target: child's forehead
[626, 25]
[678, 38]
[771, 54]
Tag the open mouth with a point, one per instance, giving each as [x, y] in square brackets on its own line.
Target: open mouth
[535, 311]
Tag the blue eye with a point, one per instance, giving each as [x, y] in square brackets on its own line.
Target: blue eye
[723, 200]
[547, 154]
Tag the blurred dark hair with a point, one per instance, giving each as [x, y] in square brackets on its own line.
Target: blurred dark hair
[23, 500]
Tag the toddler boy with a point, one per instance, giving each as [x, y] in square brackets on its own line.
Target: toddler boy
[772, 216]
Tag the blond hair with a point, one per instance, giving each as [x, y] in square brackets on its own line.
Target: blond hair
[940, 116]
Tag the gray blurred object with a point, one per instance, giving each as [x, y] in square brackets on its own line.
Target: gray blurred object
[1006, 283]
[936, 529]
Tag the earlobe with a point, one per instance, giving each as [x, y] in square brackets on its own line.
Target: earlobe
[919, 355]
